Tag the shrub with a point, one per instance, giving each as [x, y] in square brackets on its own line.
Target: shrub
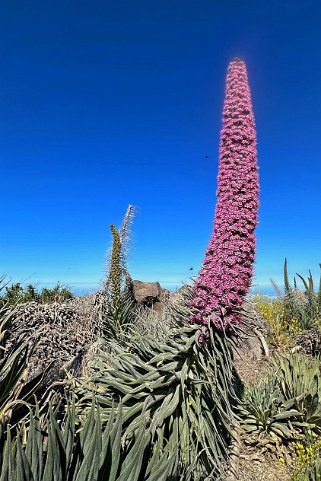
[294, 311]
[59, 293]
[162, 412]
[272, 310]
[307, 466]
[16, 293]
[302, 307]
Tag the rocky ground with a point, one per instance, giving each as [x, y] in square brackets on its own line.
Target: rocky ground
[256, 464]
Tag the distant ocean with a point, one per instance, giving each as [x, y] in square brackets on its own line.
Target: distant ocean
[266, 290]
[84, 290]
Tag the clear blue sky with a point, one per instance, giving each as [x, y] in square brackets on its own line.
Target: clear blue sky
[106, 103]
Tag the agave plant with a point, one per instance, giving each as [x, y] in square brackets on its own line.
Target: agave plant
[261, 414]
[288, 402]
[15, 390]
[266, 410]
[300, 388]
[180, 382]
[67, 451]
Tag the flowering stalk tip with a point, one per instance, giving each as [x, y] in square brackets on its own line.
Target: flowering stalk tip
[226, 273]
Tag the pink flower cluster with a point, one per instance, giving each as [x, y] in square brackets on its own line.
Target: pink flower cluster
[226, 273]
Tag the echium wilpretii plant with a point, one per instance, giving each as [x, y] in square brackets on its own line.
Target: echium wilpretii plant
[226, 273]
[118, 310]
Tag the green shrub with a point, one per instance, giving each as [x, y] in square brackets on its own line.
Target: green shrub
[272, 310]
[315, 473]
[302, 305]
[59, 293]
[294, 311]
[306, 462]
[16, 294]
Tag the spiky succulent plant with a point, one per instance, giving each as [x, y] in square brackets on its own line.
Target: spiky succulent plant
[287, 403]
[83, 450]
[15, 390]
[176, 383]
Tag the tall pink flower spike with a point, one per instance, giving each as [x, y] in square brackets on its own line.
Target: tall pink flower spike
[225, 276]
